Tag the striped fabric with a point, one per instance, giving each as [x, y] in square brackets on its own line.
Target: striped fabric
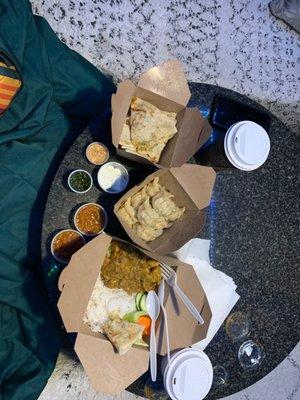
[10, 83]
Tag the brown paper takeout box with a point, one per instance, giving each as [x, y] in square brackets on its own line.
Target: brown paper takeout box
[166, 87]
[108, 371]
[192, 187]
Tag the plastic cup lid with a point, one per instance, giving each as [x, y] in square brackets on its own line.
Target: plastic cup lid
[230, 133]
[235, 161]
[247, 145]
[251, 143]
[190, 376]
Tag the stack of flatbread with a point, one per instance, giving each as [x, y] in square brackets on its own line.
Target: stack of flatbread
[150, 211]
[147, 130]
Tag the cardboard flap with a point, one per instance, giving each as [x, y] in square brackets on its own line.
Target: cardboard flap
[78, 280]
[169, 260]
[167, 80]
[109, 372]
[205, 132]
[193, 223]
[197, 131]
[184, 329]
[197, 181]
[120, 102]
[63, 278]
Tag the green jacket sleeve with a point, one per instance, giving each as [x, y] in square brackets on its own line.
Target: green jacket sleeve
[59, 90]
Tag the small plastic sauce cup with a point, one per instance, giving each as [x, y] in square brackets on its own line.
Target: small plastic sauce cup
[56, 255]
[97, 153]
[103, 216]
[84, 172]
[105, 174]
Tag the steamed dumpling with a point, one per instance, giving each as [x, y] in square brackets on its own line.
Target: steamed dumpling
[153, 187]
[138, 198]
[175, 214]
[125, 217]
[130, 210]
[162, 202]
[146, 233]
[164, 205]
[150, 210]
[149, 217]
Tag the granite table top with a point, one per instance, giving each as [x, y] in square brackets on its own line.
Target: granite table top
[252, 221]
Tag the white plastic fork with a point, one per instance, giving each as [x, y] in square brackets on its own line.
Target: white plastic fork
[170, 277]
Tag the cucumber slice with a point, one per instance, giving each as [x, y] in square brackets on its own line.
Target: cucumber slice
[133, 316]
[138, 299]
[142, 304]
[141, 342]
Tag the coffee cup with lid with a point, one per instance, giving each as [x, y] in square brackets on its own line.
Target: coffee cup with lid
[189, 374]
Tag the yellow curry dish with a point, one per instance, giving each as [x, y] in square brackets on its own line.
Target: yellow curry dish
[126, 268]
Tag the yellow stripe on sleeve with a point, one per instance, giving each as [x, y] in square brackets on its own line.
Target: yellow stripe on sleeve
[4, 102]
[10, 81]
[6, 66]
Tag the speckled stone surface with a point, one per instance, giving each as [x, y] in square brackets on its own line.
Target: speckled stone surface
[236, 44]
[252, 224]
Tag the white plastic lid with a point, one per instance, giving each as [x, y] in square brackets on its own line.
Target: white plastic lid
[190, 376]
[247, 145]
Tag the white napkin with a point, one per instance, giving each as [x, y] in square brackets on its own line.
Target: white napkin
[194, 248]
[219, 288]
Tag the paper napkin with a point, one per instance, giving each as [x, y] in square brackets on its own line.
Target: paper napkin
[219, 288]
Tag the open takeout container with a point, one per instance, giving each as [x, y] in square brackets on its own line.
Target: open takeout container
[192, 187]
[165, 86]
[108, 371]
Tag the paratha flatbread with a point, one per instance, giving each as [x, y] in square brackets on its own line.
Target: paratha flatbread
[152, 127]
[122, 334]
[138, 104]
[147, 129]
[154, 152]
[125, 139]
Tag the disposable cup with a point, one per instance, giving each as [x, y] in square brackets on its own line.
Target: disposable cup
[189, 375]
[246, 145]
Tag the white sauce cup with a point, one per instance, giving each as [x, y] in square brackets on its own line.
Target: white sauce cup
[104, 175]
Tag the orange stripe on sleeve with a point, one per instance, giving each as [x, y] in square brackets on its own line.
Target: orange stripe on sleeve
[6, 96]
[9, 92]
[7, 87]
